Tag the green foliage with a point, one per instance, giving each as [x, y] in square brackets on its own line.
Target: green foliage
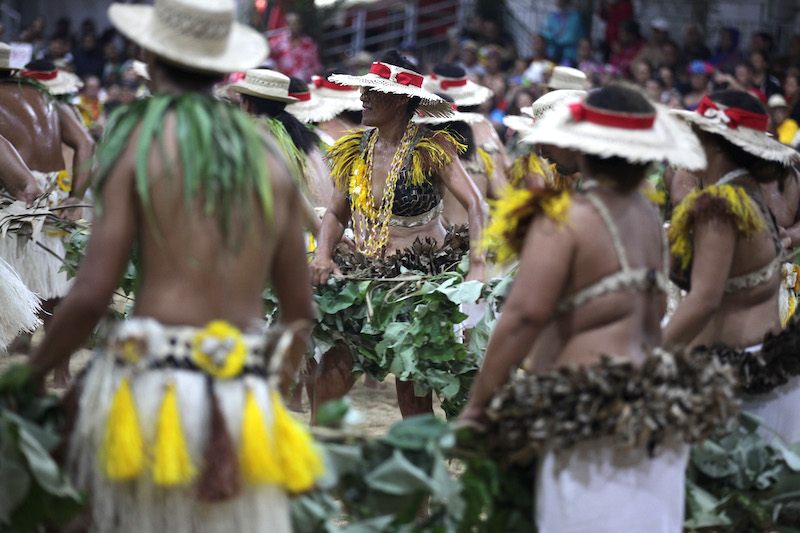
[740, 483]
[33, 490]
[405, 326]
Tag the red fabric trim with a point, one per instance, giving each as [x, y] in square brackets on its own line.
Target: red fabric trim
[453, 82]
[403, 77]
[735, 117]
[582, 113]
[321, 83]
[303, 97]
[39, 75]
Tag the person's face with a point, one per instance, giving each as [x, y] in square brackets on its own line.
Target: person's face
[660, 36]
[566, 160]
[294, 25]
[779, 114]
[652, 90]
[493, 63]
[669, 55]
[127, 96]
[790, 87]
[699, 82]
[523, 100]
[92, 87]
[667, 77]
[468, 56]
[757, 60]
[584, 49]
[743, 75]
[88, 42]
[539, 45]
[380, 109]
[692, 36]
[641, 72]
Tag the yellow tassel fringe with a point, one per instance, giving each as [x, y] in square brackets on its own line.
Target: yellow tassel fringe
[173, 465]
[525, 165]
[122, 454]
[488, 162]
[257, 456]
[739, 207]
[300, 460]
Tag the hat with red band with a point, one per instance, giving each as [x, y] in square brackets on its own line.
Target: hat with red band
[542, 106]
[388, 78]
[264, 83]
[311, 108]
[348, 96]
[745, 129]
[463, 91]
[636, 137]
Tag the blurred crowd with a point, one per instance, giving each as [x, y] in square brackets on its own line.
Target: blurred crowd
[673, 66]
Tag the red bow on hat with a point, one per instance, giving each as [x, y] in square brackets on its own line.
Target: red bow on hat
[39, 75]
[321, 83]
[733, 117]
[614, 119]
[396, 74]
[453, 82]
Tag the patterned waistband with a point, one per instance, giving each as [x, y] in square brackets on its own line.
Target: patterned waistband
[417, 220]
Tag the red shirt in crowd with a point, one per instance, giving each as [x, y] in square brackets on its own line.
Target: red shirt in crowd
[615, 14]
[298, 58]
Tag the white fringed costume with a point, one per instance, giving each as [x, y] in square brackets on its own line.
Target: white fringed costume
[38, 268]
[144, 472]
[19, 307]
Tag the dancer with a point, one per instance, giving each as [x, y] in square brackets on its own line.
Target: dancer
[595, 262]
[180, 425]
[349, 119]
[729, 253]
[389, 180]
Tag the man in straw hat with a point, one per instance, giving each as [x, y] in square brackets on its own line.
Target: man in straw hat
[38, 127]
[180, 425]
[594, 262]
[389, 181]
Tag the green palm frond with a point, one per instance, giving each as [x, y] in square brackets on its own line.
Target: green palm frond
[220, 153]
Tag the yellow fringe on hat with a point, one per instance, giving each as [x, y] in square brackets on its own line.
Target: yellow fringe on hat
[525, 165]
[300, 460]
[727, 201]
[122, 453]
[257, 456]
[513, 213]
[488, 162]
[172, 464]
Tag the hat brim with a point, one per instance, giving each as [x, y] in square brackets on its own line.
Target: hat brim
[467, 95]
[668, 140]
[522, 124]
[757, 143]
[350, 99]
[457, 116]
[63, 83]
[430, 104]
[243, 88]
[245, 48]
[315, 110]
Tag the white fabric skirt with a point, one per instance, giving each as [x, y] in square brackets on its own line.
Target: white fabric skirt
[598, 488]
[779, 409]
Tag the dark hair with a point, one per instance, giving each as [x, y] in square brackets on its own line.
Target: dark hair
[762, 170]
[393, 57]
[462, 132]
[41, 65]
[302, 137]
[451, 70]
[183, 75]
[625, 99]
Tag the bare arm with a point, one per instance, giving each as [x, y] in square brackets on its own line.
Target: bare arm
[791, 235]
[463, 188]
[681, 184]
[76, 136]
[333, 224]
[106, 258]
[714, 242]
[544, 267]
[291, 280]
[15, 174]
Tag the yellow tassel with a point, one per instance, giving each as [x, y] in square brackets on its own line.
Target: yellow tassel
[172, 466]
[738, 206]
[526, 165]
[342, 156]
[300, 460]
[122, 454]
[653, 196]
[488, 162]
[257, 456]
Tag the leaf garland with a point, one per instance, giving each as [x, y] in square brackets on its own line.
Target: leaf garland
[221, 152]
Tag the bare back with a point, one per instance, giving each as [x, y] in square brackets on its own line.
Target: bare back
[31, 124]
[784, 203]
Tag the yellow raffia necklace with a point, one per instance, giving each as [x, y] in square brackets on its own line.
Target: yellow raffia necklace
[373, 225]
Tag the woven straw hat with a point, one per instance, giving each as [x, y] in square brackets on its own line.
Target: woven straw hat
[5, 57]
[311, 108]
[348, 96]
[567, 78]
[62, 83]
[638, 138]
[264, 83]
[388, 78]
[463, 91]
[745, 129]
[198, 35]
[540, 108]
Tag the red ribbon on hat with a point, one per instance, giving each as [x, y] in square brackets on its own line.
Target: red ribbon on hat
[303, 97]
[401, 76]
[39, 75]
[321, 83]
[733, 117]
[615, 119]
[452, 82]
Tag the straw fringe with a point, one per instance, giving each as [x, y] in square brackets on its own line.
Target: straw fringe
[19, 307]
[38, 269]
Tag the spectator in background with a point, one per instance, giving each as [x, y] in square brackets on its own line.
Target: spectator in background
[112, 69]
[90, 106]
[792, 57]
[587, 61]
[641, 72]
[654, 89]
[562, 31]
[727, 54]
[762, 79]
[58, 50]
[468, 60]
[541, 64]
[741, 80]
[63, 29]
[495, 77]
[659, 34]
[781, 125]
[700, 73]
[694, 46]
[494, 35]
[628, 46]
[791, 91]
[88, 58]
[761, 42]
[614, 13]
[295, 53]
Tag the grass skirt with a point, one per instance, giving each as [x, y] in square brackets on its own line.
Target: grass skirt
[19, 307]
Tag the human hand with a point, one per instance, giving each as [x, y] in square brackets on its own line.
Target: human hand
[321, 270]
[29, 194]
[473, 415]
[477, 272]
[71, 213]
[786, 240]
